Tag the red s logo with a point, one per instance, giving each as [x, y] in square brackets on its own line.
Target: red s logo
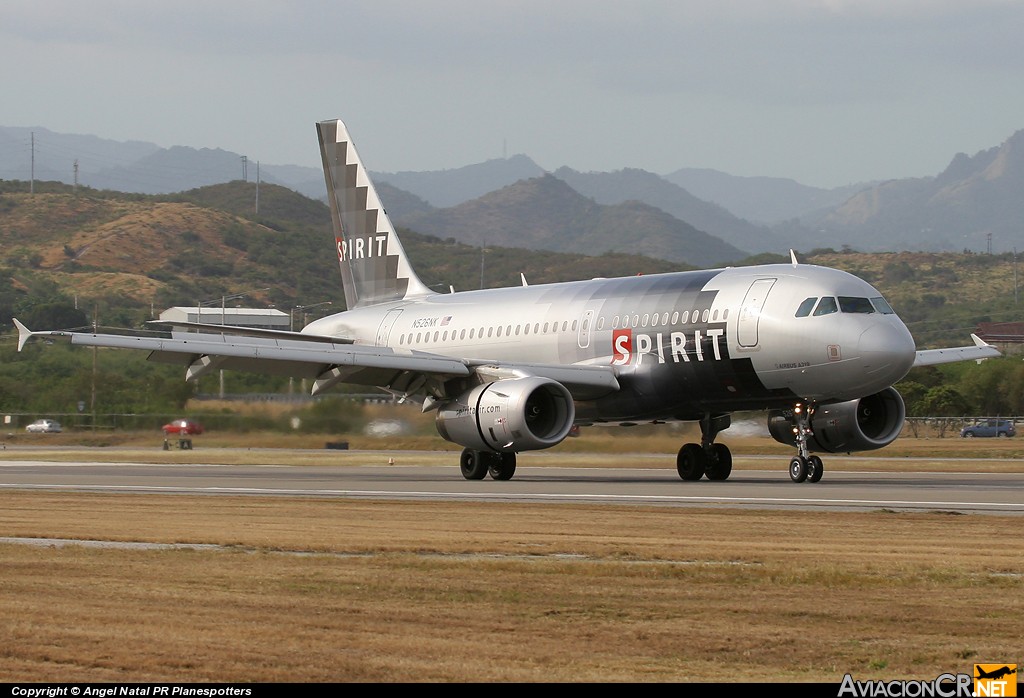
[622, 347]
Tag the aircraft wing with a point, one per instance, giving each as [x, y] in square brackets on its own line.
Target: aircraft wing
[327, 363]
[980, 351]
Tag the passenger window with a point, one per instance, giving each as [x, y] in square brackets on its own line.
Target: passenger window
[852, 304]
[805, 308]
[826, 306]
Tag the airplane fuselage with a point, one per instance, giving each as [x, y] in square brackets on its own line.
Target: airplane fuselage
[682, 343]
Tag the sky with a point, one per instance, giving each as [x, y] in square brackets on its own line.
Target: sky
[826, 92]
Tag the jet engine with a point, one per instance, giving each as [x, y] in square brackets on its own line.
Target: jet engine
[857, 425]
[508, 415]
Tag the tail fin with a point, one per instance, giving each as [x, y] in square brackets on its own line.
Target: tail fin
[374, 266]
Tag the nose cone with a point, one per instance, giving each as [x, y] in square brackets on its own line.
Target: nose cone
[887, 352]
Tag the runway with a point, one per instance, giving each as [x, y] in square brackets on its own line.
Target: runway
[847, 489]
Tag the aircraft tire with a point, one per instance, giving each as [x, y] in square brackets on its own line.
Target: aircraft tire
[797, 469]
[815, 469]
[473, 464]
[502, 465]
[691, 462]
[720, 465]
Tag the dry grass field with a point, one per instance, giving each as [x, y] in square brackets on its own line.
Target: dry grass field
[315, 590]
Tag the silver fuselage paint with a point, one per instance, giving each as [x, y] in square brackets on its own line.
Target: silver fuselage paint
[682, 344]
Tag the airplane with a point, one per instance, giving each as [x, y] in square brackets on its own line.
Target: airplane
[995, 674]
[514, 369]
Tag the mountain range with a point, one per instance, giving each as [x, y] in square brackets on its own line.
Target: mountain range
[691, 216]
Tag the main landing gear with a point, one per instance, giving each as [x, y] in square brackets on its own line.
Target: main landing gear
[804, 467]
[706, 458]
[476, 465]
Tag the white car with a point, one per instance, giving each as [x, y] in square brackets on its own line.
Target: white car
[43, 426]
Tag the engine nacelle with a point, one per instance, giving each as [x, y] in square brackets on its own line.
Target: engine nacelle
[509, 415]
[857, 425]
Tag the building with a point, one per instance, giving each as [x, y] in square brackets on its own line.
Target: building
[1008, 336]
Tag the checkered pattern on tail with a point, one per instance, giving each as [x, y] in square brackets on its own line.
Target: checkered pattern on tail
[374, 266]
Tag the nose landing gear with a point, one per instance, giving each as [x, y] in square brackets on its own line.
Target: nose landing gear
[804, 467]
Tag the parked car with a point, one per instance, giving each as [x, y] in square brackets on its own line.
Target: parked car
[44, 426]
[989, 427]
[183, 427]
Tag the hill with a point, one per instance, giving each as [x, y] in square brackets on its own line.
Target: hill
[545, 213]
[763, 200]
[974, 204]
[134, 255]
[445, 188]
[131, 256]
[611, 188]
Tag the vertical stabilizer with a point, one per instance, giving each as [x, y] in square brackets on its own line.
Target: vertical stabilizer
[374, 266]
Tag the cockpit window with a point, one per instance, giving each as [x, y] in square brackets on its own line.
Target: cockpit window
[852, 304]
[882, 306]
[805, 308]
[826, 306]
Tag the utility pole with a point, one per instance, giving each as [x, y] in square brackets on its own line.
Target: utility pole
[257, 187]
[245, 169]
[76, 176]
[32, 179]
[92, 398]
[482, 250]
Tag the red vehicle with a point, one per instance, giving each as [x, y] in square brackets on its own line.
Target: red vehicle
[183, 427]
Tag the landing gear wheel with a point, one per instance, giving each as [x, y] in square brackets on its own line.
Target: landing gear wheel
[798, 469]
[473, 464]
[815, 469]
[502, 466]
[691, 462]
[720, 464]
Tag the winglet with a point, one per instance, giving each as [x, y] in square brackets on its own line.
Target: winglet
[979, 342]
[523, 277]
[24, 334]
[792, 257]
